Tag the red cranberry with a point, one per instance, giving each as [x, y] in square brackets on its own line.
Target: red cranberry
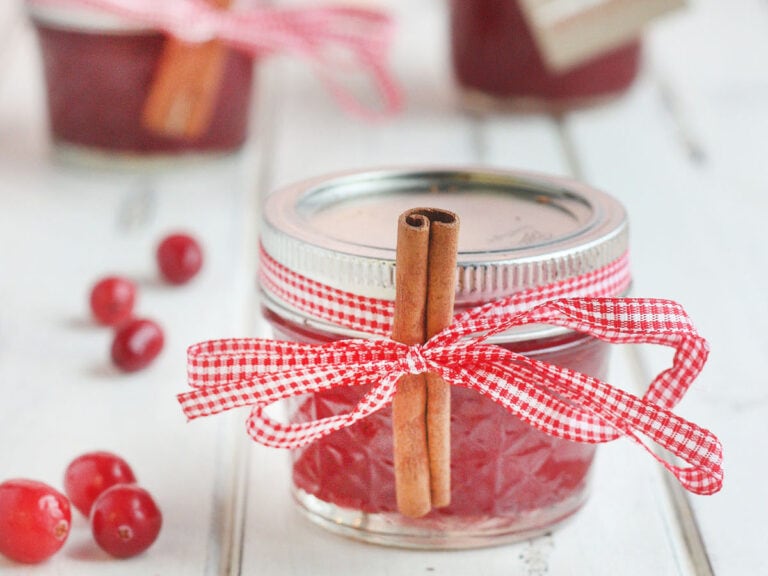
[136, 344]
[90, 474]
[112, 300]
[179, 258]
[125, 520]
[34, 520]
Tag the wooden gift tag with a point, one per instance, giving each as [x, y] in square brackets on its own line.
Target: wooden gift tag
[570, 32]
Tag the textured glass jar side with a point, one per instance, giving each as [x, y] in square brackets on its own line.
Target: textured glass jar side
[509, 480]
[497, 63]
[97, 83]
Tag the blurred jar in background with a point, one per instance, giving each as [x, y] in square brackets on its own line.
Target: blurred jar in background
[98, 72]
[497, 62]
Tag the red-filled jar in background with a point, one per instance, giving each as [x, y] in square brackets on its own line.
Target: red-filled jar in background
[98, 69]
[518, 232]
[497, 63]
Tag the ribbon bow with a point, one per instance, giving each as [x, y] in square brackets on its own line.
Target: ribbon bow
[239, 372]
[318, 34]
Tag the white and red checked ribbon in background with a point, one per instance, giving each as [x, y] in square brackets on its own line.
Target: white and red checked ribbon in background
[232, 373]
[318, 34]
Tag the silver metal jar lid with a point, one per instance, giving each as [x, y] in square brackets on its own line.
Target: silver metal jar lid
[518, 230]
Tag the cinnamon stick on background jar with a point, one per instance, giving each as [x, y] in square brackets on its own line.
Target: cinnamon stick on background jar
[186, 83]
[425, 279]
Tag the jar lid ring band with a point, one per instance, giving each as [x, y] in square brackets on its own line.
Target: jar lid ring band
[374, 315]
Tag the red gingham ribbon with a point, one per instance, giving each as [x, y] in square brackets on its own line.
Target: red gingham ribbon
[313, 33]
[374, 315]
[231, 373]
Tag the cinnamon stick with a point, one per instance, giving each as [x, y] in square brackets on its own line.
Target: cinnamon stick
[409, 422]
[443, 249]
[183, 92]
[425, 269]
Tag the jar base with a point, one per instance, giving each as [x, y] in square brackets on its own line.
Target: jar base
[477, 101]
[447, 533]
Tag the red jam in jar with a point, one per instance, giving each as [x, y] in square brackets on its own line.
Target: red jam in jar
[495, 57]
[98, 71]
[508, 480]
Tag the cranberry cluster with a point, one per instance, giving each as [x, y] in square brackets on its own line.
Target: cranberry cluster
[138, 341]
[35, 518]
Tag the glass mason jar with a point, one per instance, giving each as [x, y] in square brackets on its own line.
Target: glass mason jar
[497, 63]
[98, 70]
[518, 231]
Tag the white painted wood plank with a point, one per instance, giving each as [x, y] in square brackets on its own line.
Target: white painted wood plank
[64, 398]
[527, 142]
[61, 228]
[711, 60]
[697, 235]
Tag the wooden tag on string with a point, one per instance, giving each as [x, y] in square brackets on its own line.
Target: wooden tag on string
[571, 32]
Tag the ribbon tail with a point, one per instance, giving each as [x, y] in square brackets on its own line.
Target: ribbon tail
[637, 417]
[589, 410]
[538, 406]
[210, 400]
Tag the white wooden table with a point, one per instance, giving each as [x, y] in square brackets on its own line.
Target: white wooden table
[684, 150]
